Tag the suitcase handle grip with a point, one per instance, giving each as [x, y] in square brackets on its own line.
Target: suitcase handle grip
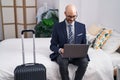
[28, 31]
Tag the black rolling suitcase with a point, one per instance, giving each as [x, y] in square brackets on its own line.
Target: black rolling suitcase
[29, 71]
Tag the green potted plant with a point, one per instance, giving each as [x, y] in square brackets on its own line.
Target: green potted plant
[44, 27]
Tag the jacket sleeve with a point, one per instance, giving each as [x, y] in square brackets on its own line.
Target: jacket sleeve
[54, 40]
[84, 40]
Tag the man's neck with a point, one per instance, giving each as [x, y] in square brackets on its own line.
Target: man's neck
[69, 23]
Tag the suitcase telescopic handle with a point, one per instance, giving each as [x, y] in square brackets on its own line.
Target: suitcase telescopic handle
[23, 52]
[27, 31]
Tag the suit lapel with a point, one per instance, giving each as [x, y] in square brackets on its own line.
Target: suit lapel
[77, 31]
[65, 31]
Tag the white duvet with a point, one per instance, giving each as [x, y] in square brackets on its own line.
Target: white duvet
[99, 67]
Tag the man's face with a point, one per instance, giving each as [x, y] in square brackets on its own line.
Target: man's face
[70, 16]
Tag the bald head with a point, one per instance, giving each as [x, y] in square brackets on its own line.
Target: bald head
[70, 13]
[70, 9]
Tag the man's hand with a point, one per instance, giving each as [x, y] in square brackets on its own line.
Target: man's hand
[61, 50]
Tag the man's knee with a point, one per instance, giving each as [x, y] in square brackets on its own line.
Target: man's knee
[83, 63]
[62, 62]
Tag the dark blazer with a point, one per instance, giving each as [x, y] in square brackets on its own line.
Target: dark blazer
[59, 37]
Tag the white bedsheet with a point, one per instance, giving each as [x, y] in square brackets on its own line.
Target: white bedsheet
[99, 68]
[115, 57]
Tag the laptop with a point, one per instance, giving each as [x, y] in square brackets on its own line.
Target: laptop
[75, 50]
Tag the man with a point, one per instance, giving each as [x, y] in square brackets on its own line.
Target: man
[72, 32]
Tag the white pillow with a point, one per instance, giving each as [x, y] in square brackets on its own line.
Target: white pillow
[101, 38]
[112, 43]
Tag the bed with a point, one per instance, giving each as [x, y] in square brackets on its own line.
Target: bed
[100, 66]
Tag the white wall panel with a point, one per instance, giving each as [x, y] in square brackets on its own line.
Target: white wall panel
[8, 15]
[31, 18]
[89, 12]
[9, 31]
[20, 28]
[109, 13]
[19, 3]
[7, 2]
[50, 3]
[20, 15]
[30, 3]
[30, 27]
